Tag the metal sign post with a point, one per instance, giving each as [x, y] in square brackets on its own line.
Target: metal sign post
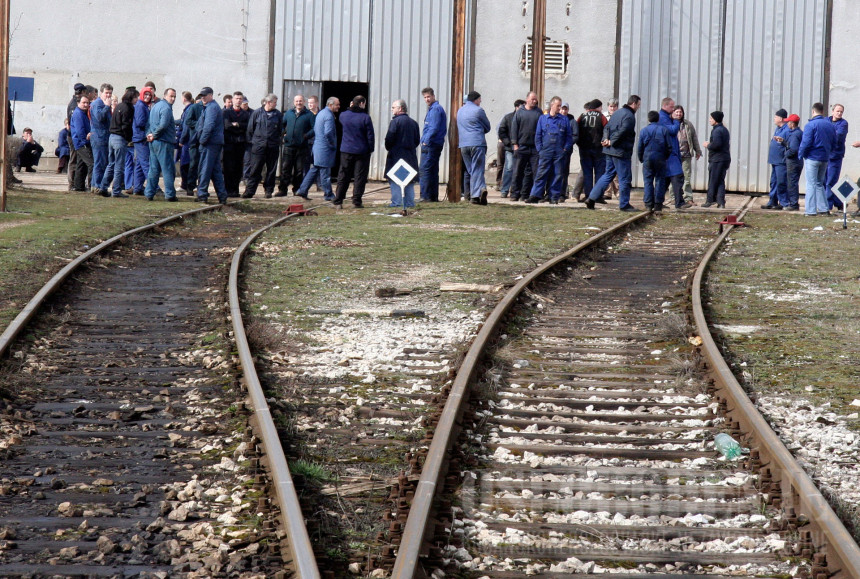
[401, 174]
[845, 189]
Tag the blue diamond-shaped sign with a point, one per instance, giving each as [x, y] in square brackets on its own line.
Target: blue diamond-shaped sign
[401, 173]
[845, 189]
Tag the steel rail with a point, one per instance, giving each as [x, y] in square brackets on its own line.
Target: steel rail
[797, 486]
[418, 522]
[26, 314]
[301, 550]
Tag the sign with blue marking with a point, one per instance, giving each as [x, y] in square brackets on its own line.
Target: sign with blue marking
[402, 173]
[846, 190]
[21, 88]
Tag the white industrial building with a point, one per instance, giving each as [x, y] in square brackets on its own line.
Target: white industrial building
[745, 57]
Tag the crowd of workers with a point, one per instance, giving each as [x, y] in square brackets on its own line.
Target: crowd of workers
[121, 147]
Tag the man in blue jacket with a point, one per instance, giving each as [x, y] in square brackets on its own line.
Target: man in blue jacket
[324, 151]
[472, 125]
[141, 145]
[776, 159]
[793, 165]
[671, 119]
[81, 134]
[620, 136]
[553, 140]
[190, 142]
[834, 167]
[356, 145]
[655, 148]
[210, 137]
[432, 141]
[161, 136]
[100, 113]
[819, 138]
[298, 132]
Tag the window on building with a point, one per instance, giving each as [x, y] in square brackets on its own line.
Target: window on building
[556, 55]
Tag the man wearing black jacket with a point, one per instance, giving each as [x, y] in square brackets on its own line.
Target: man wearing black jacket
[523, 129]
[505, 151]
[264, 137]
[235, 137]
[119, 143]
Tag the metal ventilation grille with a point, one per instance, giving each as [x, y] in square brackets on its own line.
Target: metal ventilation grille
[555, 57]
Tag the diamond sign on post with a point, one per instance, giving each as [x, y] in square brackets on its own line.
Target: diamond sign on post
[845, 189]
[402, 173]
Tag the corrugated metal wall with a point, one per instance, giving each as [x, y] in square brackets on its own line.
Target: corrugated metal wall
[411, 49]
[397, 47]
[747, 58]
[774, 59]
[327, 40]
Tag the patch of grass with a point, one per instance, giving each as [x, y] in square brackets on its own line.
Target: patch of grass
[312, 472]
[788, 300]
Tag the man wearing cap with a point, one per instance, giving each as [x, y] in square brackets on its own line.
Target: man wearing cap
[472, 125]
[432, 141]
[210, 137]
[719, 159]
[100, 113]
[793, 165]
[819, 138]
[161, 136]
[141, 145]
[505, 151]
[324, 151]
[523, 128]
[591, 158]
[553, 141]
[620, 136]
[834, 167]
[776, 159]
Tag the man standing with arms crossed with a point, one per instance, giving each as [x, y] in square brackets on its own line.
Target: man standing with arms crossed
[298, 130]
[100, 113]
[432, 141]
[161, 135]
[618, 149]
[523, 129]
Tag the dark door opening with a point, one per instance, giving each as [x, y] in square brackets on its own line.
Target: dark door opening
[345, 92]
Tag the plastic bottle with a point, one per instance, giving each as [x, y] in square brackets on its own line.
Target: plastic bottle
[727, 445]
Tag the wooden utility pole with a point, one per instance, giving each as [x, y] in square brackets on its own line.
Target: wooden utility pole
[458, 63]
[4, 97]
[538, 44]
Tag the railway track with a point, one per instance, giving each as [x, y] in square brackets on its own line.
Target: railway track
[587, 442]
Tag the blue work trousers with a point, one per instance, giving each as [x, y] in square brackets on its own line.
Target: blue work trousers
[473, 177]
[593, 163]
[100, 160]
[210, 169]
[793, 168]
[128, 175]
[402, 197]
[654, 173]
[117, 147]
[834, 168]
[550, 170]
[141, 166]
[428, 172]
[323, 174]
[620, 166]
[161, 163]
[778, 186]
[508, 172]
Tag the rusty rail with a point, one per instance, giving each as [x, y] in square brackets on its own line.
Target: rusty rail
[418, 522]
[26, 314]
[797, 488]
[301, 550]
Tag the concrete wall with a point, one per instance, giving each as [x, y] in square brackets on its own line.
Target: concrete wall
[184, 45]
[844, 81]
[501, 29]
